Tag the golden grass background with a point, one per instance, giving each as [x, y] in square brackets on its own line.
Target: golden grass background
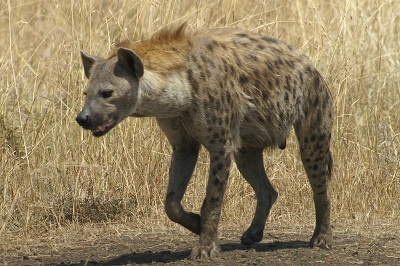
[52, 173]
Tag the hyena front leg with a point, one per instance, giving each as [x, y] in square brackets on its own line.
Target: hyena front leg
[184, 157]
[211, 208]
[251, 166]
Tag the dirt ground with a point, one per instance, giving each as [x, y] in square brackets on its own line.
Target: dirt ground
[121, 245]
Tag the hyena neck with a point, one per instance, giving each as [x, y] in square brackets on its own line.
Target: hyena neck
[162, 95]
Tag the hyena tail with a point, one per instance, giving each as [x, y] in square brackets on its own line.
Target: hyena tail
[313, 130]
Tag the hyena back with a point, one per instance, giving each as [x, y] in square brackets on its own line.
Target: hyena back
[233, 92]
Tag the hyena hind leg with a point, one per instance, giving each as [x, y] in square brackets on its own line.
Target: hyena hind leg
[251, 166]
[317, 160]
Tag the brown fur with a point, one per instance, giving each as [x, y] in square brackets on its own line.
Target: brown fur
[233, 92]
[163, 52]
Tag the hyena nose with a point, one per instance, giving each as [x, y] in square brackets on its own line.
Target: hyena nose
[82, 119]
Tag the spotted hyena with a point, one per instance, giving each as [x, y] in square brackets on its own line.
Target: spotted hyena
[233, 92]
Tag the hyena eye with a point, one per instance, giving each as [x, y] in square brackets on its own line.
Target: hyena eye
[106, 94]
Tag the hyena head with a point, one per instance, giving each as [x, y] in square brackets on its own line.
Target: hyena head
[112, 90]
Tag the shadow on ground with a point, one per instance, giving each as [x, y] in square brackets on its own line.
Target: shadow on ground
[175, 256]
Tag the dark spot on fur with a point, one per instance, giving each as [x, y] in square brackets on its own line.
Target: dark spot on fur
[265, 94]
[252, 39]
[277, 82]
[210, 63]
[232, 70]
[210, 47]
[217, 105]
[270, 67]
[326, 100]
[318, 159]
[260, 46]
[301, 78]
[243, 79]
[278, 62]
[260, 118]
[269, 39]
[193, 82]
[238, 62]
[211, 98]
[287, 97]
[313, 137]
[194, 59]
[315, 167]
[203, 58]
[318, 147]
[318, 119]
[253, 57]
[203, 76]
[290, 63]
[245, 45]
[242, 35]
[226, 120]
[287, 78]
[322, 184]
[214, 200]
[228, 96]
[306, 112]
[322, 192]
[316, 81]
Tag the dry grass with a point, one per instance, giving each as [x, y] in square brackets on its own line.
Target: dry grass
[52, 173]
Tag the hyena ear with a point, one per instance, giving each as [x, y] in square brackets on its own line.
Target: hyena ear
[88, 61]
[131, 59]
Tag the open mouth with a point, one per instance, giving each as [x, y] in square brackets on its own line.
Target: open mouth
[104, 128]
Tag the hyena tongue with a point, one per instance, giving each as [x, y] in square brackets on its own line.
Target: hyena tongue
[104, 127]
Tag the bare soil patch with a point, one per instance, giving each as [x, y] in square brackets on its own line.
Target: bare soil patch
[119, 245]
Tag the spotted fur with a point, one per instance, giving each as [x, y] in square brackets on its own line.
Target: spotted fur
[231, 91]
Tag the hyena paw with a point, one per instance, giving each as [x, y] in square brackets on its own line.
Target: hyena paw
[251, 236]
[205, 251]
[322, 240]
